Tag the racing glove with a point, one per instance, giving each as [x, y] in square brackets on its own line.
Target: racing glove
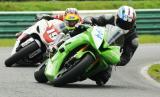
[88, 20]
[43, 16]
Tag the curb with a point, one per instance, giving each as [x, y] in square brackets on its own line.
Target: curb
[146, 75]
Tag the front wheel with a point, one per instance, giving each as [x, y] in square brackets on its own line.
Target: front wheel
[75, 71]
[39, 74]
[21, 54]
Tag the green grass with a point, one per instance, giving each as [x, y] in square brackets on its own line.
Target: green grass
[154, 72]
[143, 39]
[7, 42]
[81, 5]
[149, 38]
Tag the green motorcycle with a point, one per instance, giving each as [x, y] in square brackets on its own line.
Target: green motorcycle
[82, 56]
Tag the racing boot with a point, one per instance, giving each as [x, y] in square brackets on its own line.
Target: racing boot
[102, 77]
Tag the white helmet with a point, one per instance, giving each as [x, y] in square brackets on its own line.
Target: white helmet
[126, 17]
[71, 11]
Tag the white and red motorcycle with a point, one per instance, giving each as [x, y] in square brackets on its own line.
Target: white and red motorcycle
[32, 45]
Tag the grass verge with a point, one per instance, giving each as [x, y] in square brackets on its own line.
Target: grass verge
[81, 5]
[149, 39]
[7, 42]
[154, 72]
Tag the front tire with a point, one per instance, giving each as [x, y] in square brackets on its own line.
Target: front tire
[39, 74]
[21, 53]
[75, 71]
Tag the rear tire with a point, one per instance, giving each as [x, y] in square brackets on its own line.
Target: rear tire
[75, 71]
[21, 53]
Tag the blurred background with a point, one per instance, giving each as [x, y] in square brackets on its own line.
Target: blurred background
[18, 15]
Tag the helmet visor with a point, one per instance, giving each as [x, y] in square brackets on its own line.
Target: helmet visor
[71, 23]
[124, 24]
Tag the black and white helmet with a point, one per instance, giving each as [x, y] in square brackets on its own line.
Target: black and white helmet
[126, 17]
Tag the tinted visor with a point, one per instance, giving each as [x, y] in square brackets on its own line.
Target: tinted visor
[124, 24]
[71, 23]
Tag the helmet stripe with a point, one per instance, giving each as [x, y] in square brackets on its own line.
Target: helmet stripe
[128, 11]
[123, 13]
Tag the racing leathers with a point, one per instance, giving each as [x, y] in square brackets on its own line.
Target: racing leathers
[130, 44]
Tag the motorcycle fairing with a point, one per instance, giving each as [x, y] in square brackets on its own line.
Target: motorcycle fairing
[54, 64]
[98, 35]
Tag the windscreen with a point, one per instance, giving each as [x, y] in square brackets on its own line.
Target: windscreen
[113, 33]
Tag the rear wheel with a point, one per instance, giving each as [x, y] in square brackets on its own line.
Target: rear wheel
[21, 53]
[74, 72]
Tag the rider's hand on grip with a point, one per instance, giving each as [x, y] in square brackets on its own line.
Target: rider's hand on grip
[88, 20]
[44, 16]
[52, 48]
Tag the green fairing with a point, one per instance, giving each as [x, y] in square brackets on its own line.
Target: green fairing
[109, 57]
[54, 64]
[112, 55]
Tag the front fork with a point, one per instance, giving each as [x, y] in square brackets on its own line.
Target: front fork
[15, 46]
[20, 37]
[111, 56]
[95, 67]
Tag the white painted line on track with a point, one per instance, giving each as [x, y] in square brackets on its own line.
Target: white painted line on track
[146, 75]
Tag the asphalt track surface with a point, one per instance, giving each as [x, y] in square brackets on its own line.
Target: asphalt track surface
[125, 81]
